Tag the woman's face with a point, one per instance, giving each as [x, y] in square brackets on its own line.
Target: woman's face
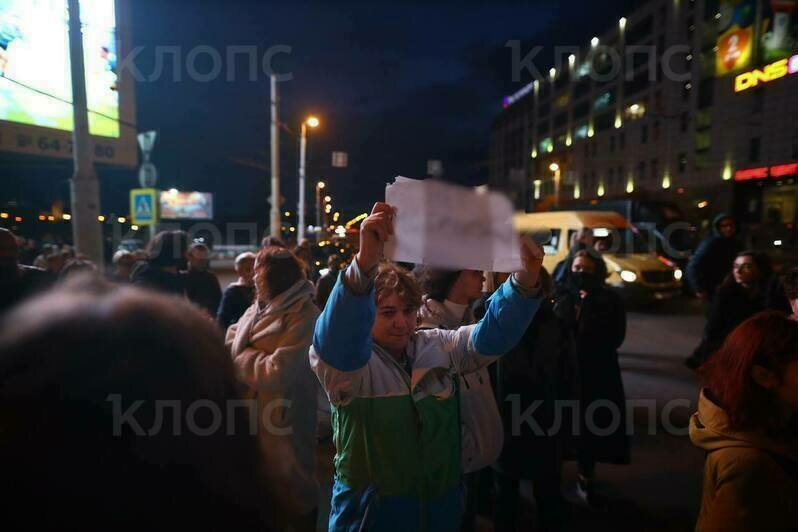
[745, 270]
[583, 265]
[394, 324]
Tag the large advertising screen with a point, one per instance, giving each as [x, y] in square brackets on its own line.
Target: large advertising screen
[36, 84]
[176, 205]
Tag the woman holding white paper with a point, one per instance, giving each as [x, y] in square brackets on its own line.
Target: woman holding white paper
[393, 389]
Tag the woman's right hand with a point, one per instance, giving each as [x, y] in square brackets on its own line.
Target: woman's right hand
[374, 231]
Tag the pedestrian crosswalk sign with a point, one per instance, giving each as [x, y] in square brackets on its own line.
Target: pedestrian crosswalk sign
[143, 209]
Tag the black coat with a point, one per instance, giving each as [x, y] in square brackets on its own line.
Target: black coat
[236, 299]
[712, 262]
[203, 289]
[146, 275]
[732, 305]
[541, 370]
[599, 325]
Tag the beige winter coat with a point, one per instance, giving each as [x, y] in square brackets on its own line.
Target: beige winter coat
[269, 346]
[750, 479]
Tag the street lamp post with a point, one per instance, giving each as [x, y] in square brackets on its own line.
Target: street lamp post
[554, 167]
[303, 144]
[319, 187]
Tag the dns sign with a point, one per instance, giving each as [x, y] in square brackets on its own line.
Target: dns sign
[771, 72]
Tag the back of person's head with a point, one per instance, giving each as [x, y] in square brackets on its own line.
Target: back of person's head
[168, 249]
[123, 257]
[276, 269]
[790, 282]
[114, 414]
[436, 283]
[77, 267]
[391, 279]
[241, 258]
[334, 262]
[269, 241]
[768, 340]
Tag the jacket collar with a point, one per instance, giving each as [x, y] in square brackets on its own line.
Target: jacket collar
[434, 315]
[710, 429]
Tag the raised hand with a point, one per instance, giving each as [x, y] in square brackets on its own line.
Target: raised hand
[374, 231]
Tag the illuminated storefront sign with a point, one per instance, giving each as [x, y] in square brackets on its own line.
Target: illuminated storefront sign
[764, 172]
[771, 72]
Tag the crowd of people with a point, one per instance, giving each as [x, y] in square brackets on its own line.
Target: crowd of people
[422, 376]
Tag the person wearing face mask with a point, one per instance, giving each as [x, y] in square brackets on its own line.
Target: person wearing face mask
[742, 294]
[598, 320]
[747, 424]
[393, 389]
[16, 280]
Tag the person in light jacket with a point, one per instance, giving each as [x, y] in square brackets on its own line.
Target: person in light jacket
[747, 423]
[448, 296]
[269, 346]
[398, 464]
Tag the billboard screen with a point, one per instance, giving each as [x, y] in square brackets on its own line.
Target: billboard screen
[735, 42]
[36, 85]
[176, 205]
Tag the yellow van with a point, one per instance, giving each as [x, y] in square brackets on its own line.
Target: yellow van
[632, 263]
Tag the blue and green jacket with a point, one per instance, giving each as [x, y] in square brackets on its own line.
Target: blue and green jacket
[397, 436]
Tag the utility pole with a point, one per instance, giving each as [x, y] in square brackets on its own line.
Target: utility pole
[85, 188]
[275, 197]
[303, 146]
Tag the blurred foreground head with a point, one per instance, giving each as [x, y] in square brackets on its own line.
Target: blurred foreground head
[754, 375]
[87, 374]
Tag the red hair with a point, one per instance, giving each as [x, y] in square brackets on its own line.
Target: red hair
[769, 339]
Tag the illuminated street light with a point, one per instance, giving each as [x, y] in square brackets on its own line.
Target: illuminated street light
[121, 219]
[327, 199]
[312, 122]
[66, 216]
[101, 218]
[320, 184]
[594, 42]
[554, 167]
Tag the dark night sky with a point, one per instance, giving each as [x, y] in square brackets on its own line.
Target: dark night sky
[395, 84]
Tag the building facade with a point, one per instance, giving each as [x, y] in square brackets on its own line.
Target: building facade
[690, 102]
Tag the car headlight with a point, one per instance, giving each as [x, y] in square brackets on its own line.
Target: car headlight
[628, 276]
[677, 274]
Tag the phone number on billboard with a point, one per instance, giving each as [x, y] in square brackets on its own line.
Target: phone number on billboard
[57, 146]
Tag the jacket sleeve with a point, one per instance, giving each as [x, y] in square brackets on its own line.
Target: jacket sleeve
[224, 313]
[743, 498]
[276, 370]
[508, 315]
[697, 266]
[342, 338]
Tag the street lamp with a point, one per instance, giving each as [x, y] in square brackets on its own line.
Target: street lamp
[311, 122]
[554, 167]
[319, 187]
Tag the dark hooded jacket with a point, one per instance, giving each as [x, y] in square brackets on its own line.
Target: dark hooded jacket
[713, 259]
